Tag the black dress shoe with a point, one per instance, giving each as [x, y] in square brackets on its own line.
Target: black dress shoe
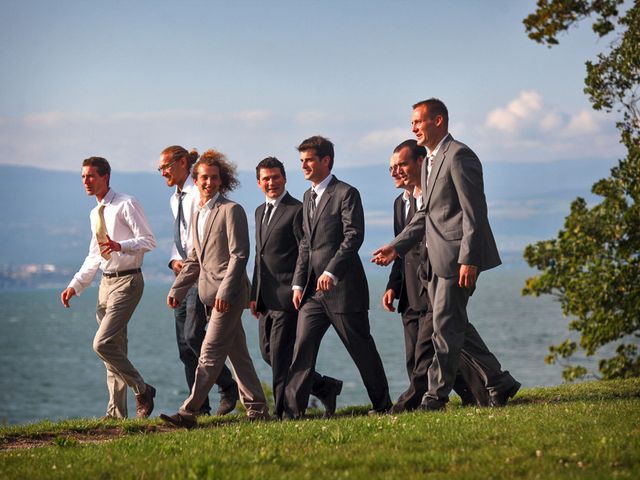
[500, 399]
[380, 410]
[228, 402]
[432, 405]
[179, 420]
[333, 389]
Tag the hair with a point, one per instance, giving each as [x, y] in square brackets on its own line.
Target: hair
[176, 152]
[270, 162]
[99, 163]
[322, 146]
[412, 145]
[214, 158]
[435, 107]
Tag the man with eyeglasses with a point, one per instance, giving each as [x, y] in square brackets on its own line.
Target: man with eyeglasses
[190, 316]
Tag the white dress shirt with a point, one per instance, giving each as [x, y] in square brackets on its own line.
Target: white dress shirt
[190, 203]
[127, 225]
[431, 155]
[205, 210]
[407, 203]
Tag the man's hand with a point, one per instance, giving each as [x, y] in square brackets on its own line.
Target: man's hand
[253, 308]
[387, 300]
[109, 246]
[325, 283]
[384, 255]
[297, 298]
[66, 295]
[176, 266]
[172, 302]
[468, 276]
[221, 306]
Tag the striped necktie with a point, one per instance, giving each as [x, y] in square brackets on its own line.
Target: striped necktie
[101, 230]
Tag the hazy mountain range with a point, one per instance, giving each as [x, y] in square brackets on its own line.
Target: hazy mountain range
[45, 214]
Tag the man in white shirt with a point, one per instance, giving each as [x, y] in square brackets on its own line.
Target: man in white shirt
[190, 316]
[120, 237]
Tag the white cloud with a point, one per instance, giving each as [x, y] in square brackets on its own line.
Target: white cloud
[516, 113]
[528, 130]
[383, 138]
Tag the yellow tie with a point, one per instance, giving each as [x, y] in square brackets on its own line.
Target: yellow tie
[101, 231]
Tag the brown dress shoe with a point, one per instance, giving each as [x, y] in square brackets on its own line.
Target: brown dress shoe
[228, 402]
[144, 402]
[179, 420]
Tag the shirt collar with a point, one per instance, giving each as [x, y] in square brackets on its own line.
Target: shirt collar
[322, 186]
[210, 203]
[434, 152]
[277, 201]
[186, 187]
[108, 198]
[405, 195]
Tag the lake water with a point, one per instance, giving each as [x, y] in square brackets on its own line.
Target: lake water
[49, 371]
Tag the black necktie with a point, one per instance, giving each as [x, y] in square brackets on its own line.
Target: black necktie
[177, 238]
[412, 209]
[265, 219]
[312, 205]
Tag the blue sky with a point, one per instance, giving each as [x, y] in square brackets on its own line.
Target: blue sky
[125, 79]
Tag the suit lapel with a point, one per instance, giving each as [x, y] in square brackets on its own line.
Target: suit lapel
[275, 218]
[209, 222]
[437, 165]
[259, 215]
[324, 199]
[196, 238]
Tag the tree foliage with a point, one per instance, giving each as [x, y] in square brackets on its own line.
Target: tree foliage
[593, 265]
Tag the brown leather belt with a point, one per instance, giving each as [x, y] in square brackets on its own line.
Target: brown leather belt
[122, 273]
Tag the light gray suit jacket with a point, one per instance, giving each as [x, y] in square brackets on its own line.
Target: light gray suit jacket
[219, 264]
[454, 214]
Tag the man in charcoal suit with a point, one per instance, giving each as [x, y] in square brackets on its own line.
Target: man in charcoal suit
[278, 235]
[329, 284]
[414, 304]
[460, 245]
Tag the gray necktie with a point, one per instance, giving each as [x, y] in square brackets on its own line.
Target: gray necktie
[180, 221]
[312, 205]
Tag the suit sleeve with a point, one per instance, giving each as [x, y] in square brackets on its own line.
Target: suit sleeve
[254, 278]
[352, 216]
[466, 173]
[302, 264]
[187, 276]
[238, 240]
[412, 233]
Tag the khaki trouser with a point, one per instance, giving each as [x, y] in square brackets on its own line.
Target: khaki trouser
[117, 300]
[225, 338]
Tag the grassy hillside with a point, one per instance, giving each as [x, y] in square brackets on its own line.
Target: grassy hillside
[589, 430]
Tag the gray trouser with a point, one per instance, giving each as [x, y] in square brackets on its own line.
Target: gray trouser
[225, 338]
[117, 300]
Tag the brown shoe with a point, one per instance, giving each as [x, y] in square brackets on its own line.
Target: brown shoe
[179, 420]
[144, 402]
[228, 401]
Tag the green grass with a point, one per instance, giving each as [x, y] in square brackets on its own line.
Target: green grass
[589, 430]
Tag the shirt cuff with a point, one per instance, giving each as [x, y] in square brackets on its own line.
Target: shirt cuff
[331, 276]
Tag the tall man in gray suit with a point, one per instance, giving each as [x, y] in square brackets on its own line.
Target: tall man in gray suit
[278, 235]
[190, 316]
[329, 284]
[217, 262]
[460, 245]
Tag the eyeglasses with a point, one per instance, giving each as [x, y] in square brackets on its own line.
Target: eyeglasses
[162, 168]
